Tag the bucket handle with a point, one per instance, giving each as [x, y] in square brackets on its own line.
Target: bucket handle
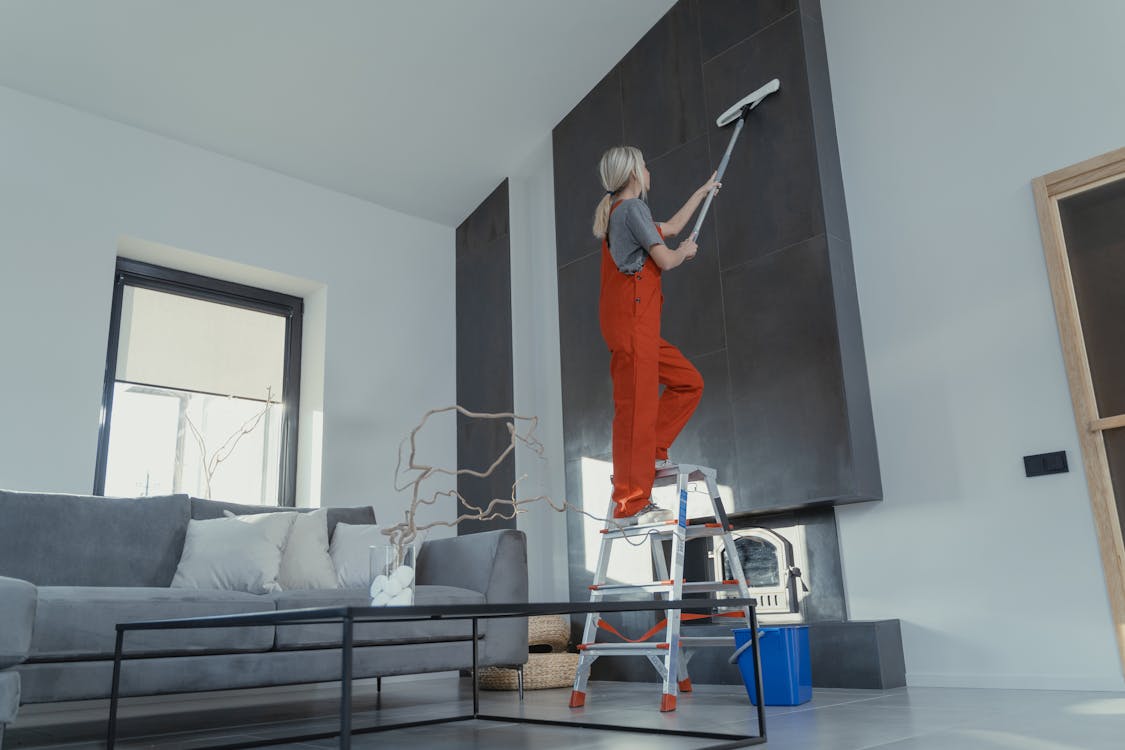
[739, 651]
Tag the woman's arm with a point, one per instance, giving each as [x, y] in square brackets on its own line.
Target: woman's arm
[667, 258]
[676, 224]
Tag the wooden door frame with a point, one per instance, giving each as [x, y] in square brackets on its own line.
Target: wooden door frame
[1048, 190]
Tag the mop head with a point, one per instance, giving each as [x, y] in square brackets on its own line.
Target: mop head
[750, 101]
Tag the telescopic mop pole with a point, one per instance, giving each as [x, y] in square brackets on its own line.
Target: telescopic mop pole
[738, 112]
[719, 174]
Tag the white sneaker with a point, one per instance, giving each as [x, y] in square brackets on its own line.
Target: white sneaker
[651, 513]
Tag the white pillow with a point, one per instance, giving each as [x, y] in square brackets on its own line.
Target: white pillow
[237, 553]
[351, 553]
[305, 562]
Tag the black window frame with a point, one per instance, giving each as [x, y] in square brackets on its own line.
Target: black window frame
[159, 278]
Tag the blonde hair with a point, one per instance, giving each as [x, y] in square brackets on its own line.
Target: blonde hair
[617, 165]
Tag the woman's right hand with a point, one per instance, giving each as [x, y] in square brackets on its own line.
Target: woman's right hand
[688, 248]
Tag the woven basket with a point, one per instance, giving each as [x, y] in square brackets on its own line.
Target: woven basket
[549, 630]
[542, 671]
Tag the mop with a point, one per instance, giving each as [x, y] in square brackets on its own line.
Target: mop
[736, 113]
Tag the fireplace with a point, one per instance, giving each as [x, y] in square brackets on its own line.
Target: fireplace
[773, 567]
[791, 562]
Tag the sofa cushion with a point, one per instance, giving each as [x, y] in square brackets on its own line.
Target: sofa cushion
[238, 553]
[375, 633]
[17, 616]
[74, 622]
[81, 540]
[9, 698]
[202, 509]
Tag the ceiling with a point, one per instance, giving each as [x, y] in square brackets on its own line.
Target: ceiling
[422, 106]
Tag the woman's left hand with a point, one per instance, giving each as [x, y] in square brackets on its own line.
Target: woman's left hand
[710, 185]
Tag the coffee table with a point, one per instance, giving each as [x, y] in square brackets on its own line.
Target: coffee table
[348, 617]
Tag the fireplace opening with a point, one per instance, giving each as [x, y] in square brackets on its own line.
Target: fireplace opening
[766, 560]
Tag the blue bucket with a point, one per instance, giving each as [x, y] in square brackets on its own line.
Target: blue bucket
[786, 664]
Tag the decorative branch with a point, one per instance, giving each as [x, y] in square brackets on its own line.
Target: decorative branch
[224, 451]
[405, 533]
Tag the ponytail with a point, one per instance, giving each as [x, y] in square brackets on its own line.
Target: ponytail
[601, 216]
[617, 166]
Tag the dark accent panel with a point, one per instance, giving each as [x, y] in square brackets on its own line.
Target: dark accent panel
[488, 222]
[587, 391]
[771, 196]
[662, 85]
[710, 432]
[824, 128]
[853, 368]
[479, 442]
[484, 325]
[579, 142]
[693, 302]
[767, 311]
[484, 353]
[1094, 226]
[859, 655]
[825, 576]
[811, 8]
[787, 389]
[725, 23]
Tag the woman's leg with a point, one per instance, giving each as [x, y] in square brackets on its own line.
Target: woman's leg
[636, 396]
[683, 387]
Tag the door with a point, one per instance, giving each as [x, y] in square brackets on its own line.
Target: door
[1082, 221]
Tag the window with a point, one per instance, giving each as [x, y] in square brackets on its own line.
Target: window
[201, 389]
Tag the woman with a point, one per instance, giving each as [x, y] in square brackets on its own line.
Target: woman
[645, 423]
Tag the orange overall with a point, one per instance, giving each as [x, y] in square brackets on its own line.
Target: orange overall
[645, 422]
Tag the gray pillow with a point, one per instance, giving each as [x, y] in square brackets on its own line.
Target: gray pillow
[85, 540]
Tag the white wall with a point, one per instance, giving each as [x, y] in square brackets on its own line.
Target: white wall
[73, 187]
[536, 371]
[945, 112]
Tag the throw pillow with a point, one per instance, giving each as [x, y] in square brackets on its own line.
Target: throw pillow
[305, 562]
[351, 553]
[236, 553]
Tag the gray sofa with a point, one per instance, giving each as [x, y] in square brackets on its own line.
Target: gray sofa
[71, 567]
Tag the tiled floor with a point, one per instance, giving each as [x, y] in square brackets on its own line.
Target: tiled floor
[905, 719]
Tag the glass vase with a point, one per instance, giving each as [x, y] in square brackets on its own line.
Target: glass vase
[392, 576]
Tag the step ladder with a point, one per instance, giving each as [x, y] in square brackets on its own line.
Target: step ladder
[669, 656]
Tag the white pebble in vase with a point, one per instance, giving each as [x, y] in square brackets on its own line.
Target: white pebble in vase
[378, 585]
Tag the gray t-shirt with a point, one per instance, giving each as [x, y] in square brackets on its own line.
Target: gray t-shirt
[631, 233]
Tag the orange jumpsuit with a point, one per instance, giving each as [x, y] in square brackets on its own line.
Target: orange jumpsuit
[645, 422]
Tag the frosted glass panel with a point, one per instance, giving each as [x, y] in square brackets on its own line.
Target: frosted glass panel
[179, 342]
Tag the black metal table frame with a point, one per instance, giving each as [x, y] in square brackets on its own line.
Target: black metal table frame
[348, 617]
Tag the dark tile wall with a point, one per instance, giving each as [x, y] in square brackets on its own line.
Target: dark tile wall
[768, 310]
[484, 353]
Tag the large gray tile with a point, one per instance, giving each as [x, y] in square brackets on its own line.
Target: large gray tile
[790, 424]
[708, 438]
[693, 302]
[770, 197]
[662, 85]
[587, 391]
[578, 143]
[724, 23]
[903, 719]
